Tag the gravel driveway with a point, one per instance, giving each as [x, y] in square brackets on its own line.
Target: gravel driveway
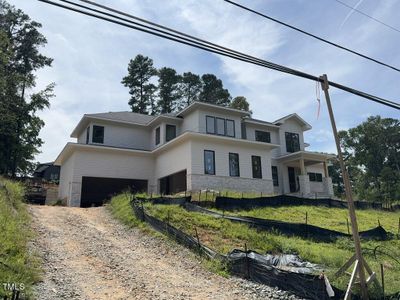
[89, 255]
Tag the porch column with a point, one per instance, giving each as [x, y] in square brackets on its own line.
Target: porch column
[326, 173]
[327, 181]
[302, 167]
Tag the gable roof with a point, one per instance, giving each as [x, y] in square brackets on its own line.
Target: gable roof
[305, 125]
[197, 104]
[125, 116]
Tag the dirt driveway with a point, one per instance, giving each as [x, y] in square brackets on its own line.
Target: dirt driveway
[89, 255]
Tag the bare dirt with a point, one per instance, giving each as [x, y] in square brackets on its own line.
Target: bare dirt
[89, 255]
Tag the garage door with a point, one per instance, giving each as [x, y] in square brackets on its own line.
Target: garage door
[96, 190]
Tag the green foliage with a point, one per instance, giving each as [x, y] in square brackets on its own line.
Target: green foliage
[140, 73]
[190, 87]
[213, 91]
[20, 41]
[168, 91]
[17, 264]
[241, 103]
[373, 159]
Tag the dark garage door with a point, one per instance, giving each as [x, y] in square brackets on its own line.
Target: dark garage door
[95, 190]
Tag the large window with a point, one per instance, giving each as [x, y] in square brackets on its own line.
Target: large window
[234, 165]
[210, 124]
[209, 162]
[292, 142]
[220, 126]
[98, 134]
[170, 132]
[230, 128]
[157, 135]
[275, 175]
[256, 165]
[263, 136]
[315, 177]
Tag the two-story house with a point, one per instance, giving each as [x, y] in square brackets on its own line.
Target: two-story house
[203, 146]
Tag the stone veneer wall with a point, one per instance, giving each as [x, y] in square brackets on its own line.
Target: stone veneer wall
[219, 183]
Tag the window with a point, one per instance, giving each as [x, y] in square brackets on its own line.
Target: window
[275, 175]
[317, 177]
[292, 142]
[170, 132]
[157, 135]
[234, 165]
[263, 136]
[87, 134]
[256, 164]
[210, 124]
[209, 162]
[98, 134]
[230, 128]
[220, 126]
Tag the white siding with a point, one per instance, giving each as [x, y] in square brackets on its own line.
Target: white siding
[316, 187]
[202, 121]
[191, 122]
[290, 126]
[82, 136]
[66, 173]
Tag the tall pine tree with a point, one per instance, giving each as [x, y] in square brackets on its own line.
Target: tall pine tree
[190, 88]
[140, 73]
[168, 90]
[213, 91]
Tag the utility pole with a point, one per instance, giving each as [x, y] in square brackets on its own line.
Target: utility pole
[360, 265]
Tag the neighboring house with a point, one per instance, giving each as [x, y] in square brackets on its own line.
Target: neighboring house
[203, 146]
[47, 171]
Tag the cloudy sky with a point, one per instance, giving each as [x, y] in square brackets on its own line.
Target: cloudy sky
[91, 57]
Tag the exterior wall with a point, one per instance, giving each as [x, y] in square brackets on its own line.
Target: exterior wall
[202, 121]
[222, 180]
[163, 129]
[82, 136]
[191, 122]
[317, 187]
[107, 164]
[66, 172]
[289, 126]
[171, 161]
[274, 132]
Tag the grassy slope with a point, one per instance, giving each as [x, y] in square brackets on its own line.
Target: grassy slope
[17, 265]
[223, 235]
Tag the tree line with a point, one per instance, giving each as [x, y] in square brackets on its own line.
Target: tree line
[173, 91]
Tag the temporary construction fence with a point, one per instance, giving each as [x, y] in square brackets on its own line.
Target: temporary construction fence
[228, 203]
[248, 264]
[292, 229]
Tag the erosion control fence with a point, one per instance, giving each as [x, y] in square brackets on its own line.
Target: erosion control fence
[292, 229]
[248, 264]
[227, 203]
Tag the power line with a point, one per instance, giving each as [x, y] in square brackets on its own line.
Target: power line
[368, 16]
[313, 35]
[204, 45]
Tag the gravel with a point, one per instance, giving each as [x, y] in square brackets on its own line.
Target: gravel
[89, 255]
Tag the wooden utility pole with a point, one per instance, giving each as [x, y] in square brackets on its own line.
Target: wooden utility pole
[360, 265]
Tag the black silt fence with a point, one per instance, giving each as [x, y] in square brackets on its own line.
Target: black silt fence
[228, 203]
[248, 265]
[293, 229]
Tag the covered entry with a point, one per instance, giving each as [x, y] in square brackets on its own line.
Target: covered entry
[173, 183]
[95, 190]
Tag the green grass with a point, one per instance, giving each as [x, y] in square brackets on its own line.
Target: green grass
[224, 235]
[17, 264]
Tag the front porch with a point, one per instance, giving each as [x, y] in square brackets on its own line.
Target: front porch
[306, 174]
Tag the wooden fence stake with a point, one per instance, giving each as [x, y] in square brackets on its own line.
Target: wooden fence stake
[383, 281]
[379, 223]
[348, 226]
[198, 239]
[247, 261]
[199, 195]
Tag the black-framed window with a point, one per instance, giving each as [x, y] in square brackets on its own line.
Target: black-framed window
[158, 135]
[275, 175]
[98, 134]
[170, 132]
[220, 128]
[292, 142]
[230, 128]
[210, 124]
[256, 166]
[234, 165]
[209, 162]
[87, 135]
[263, 136]
[317, 177]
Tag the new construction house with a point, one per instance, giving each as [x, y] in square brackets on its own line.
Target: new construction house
[201, 147]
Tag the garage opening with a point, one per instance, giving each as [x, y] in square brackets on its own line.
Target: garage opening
[173, 183]
[96, 190]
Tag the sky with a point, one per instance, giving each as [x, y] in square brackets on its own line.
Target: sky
[91, 57]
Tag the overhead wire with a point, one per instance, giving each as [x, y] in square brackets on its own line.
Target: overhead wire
[312, 35]
[368, 16]
[189, 40]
